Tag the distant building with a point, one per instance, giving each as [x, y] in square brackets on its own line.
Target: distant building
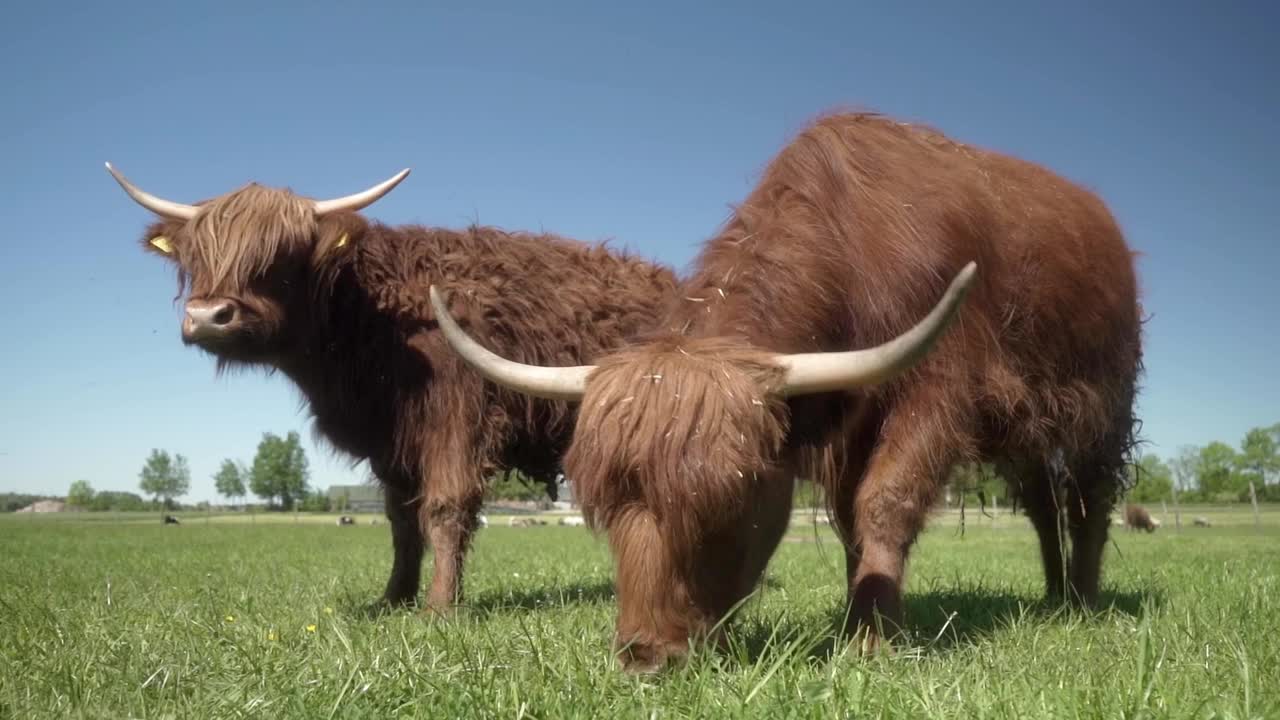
[44, 506]
[356, 498]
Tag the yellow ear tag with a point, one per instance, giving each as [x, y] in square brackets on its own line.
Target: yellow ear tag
[342, 241]
[161, 243]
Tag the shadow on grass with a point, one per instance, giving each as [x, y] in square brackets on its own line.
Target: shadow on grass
[939, 620]
[552, 597]
[936, 622]
[361, 609]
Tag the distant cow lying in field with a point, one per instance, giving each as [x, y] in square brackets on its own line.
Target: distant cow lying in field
[339, 305]
[525, 522]
[346, 520]
[688, 442]
[1136, 517]
[171, 520]
[1202, 521]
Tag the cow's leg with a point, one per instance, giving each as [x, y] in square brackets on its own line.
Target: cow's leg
[1089, 508]
[762, 528]
[1042, 501]
[842, 504]
[839, 473]
[450, 512]
[407, 541]
[891, 505]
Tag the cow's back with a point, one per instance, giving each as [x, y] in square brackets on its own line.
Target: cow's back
[857, 227]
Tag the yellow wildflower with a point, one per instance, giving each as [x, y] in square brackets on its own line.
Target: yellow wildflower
[311, 628]
[231, 618]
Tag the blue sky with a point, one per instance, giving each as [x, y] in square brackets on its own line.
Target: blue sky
[639, 123]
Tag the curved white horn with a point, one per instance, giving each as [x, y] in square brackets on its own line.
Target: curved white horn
[157, 205]
[827, 371]
[551, 383]
[361, 199]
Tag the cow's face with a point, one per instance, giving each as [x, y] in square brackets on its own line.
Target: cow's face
[248, 262]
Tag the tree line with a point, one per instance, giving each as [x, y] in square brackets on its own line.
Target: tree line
[278, 476]
[1213, 473]
[1216, 472]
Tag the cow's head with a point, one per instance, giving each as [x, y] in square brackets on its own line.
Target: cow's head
[677, 452]
[247, 260]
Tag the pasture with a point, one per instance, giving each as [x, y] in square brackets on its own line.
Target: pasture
[124, 617]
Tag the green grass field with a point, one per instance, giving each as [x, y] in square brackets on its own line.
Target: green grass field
[128, 618]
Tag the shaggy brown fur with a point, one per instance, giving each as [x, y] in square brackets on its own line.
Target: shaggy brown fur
[850, 238]
[340, 305]
[1136, 517]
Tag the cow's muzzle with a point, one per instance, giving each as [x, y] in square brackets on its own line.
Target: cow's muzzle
[210, 319]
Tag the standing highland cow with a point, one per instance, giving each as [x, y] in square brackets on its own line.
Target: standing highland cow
[686, 444]
[339, 304]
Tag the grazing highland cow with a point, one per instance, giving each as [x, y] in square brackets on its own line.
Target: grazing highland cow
[687, 444]
[1136, 517]
[339, 305]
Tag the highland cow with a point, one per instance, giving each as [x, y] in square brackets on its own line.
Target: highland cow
[339, 304]
[688, 439]
[1136, 517]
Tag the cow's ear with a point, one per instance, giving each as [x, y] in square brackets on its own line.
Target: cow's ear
[338, 235]
[159, 238]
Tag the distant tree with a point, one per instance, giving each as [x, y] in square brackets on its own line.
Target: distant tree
[10, 502]
[513, 485]
[164, 477]
[1153, 481]
[229, 480]
[314, 501]
[1215, 471]
[279, 469]
[1184, 471]
[1259, 455]
[80, 494]
[116, 501]
[979, 484]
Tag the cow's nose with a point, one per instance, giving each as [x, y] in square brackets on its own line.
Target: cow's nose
[208, 318]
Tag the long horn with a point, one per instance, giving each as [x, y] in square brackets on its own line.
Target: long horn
[827, 371]
[157, 205]
[551, 383]
[361, 199]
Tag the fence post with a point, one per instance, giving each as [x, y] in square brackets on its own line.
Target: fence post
[1253, 498]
